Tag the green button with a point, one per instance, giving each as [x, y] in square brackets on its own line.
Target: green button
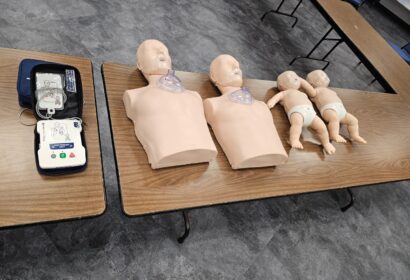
[63, 155]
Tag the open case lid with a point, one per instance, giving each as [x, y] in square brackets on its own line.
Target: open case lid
[71, 84]
[23, 80]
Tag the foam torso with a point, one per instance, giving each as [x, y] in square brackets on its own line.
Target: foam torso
[246, 132]
[170, 126]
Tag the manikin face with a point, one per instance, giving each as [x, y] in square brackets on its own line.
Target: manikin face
[288, 80]
[225, 71]
[318, 78]
[153, 58]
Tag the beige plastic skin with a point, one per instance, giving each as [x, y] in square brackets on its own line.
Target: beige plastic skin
[289, 96]
[246, 132]
[170, 126]
[321, 95]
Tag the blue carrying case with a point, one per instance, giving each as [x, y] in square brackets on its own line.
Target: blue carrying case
[23, 81]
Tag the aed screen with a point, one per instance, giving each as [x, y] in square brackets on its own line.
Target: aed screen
[59, 146]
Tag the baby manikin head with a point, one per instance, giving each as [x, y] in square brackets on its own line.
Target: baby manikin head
[225, 71]
[288, 80]
[318, 78]
[153, 58]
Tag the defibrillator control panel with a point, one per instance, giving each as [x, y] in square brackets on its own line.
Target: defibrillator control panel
[60, 144]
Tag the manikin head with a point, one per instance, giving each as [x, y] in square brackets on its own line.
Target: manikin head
[318, 78]
[288, 80]
[225, 71]
[153, 58]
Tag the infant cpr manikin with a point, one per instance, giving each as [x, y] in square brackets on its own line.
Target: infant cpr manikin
[169, 120]
[331, 107]
[243, 126]
[300, 110]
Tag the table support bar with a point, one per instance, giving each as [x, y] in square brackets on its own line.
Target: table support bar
[182, 238]
[324, 38]
[351, 201]
[284, 14]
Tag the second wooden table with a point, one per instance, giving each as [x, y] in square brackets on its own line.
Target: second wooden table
[384, 121]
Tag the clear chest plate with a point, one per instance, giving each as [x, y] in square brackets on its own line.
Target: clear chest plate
[242, 96]
[170, 82]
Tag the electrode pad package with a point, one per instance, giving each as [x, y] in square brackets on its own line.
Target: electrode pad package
[57, 102]
[49, 93]
[170, 82]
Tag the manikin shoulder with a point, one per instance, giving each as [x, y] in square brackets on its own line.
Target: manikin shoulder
[194, 94]
[325, 90]
[286, 94]
[133, 93]
[214, 102]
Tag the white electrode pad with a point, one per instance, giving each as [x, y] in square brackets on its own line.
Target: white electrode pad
[60, 144]
[50, 92]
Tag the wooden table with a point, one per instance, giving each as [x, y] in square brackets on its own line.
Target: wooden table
[384, 120]
[27, 197]
[386, 65]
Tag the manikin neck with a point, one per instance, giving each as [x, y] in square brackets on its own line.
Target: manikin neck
[227, 90]
[153, 79]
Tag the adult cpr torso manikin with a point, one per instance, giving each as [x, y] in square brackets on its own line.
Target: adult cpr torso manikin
[169, 120]
[243, 126]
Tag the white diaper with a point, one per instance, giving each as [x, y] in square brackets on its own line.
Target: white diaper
[337, 107]
[307, 111]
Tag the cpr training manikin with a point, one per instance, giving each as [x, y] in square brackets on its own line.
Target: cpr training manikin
[168, 119]
[299, 110]
[331, 108]
[243, 126]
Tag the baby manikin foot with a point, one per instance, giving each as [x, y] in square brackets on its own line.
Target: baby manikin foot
[359, 139]
[329, 148]
[296, 144]
[339, 139]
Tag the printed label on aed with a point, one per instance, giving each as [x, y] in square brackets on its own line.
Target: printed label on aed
[70, 80]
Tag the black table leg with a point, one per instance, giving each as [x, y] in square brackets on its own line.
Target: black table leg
[182, 238]
[324, 38]
[277, 11]
[351, 202]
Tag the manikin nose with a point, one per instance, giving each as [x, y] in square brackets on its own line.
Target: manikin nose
[237, 71]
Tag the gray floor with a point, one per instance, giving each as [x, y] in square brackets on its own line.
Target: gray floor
[303, 237]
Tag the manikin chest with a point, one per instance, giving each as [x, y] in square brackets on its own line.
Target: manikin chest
[158, 103]
[242, 114]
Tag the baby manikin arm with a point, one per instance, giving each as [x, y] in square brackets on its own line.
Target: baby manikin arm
[275, 99]
[307, 88]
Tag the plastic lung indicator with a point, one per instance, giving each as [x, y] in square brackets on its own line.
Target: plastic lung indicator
[170, 82]
[242, 96]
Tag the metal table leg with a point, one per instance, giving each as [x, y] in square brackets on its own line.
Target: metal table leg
[324, 38]
[277, 11]
[351, 201]
[182, 238]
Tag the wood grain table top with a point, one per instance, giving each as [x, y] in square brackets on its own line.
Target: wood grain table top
[384, 122]
[369, 43]
[27, 197]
